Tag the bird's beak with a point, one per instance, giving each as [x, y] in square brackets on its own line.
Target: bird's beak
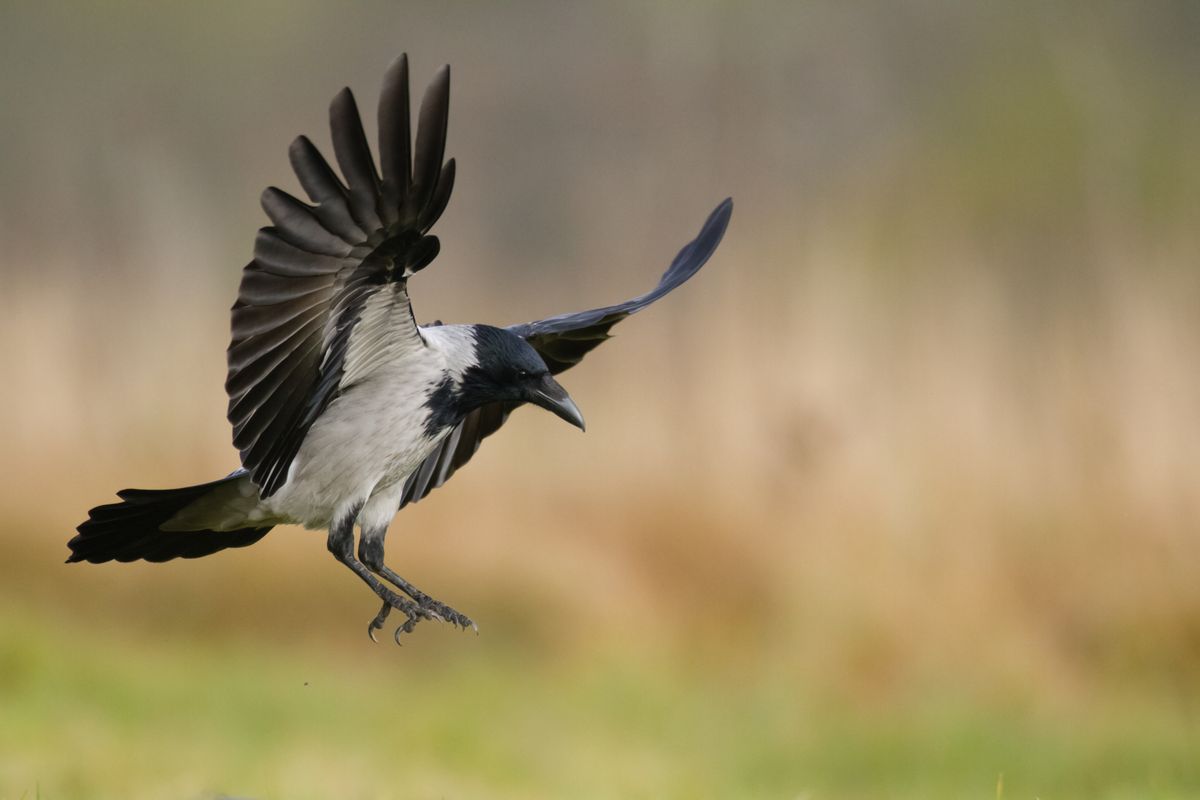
[550, 395]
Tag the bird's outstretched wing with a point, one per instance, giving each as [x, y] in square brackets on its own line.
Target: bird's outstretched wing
[562, 341]
[325, 299]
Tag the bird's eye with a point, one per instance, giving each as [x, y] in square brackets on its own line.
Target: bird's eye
[522, 374]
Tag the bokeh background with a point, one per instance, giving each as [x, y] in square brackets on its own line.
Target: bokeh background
[897, 499]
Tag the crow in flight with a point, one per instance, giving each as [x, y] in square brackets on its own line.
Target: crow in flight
[344, 409]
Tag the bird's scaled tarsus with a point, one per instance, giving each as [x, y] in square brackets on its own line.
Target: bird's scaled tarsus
[341, 544]
[370, 553]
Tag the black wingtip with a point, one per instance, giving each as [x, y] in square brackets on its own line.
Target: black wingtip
[429, 149]
[400, 62]
[395, 138]
[723, 211]
[696, 253]
[343, 103]
[712, 232]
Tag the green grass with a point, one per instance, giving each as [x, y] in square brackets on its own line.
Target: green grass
[94, 714]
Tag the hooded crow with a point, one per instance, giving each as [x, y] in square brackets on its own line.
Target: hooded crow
[344, 409]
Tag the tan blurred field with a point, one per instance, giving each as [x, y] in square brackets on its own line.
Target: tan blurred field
[899, 495]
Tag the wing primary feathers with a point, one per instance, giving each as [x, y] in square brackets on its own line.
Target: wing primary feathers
[280, 258]
[354, 157]
[686, 263]
[299, 224]
[565, 339]
[696, 253]
[441, 196]
[395, 138]
[324, 188]
[430, 146]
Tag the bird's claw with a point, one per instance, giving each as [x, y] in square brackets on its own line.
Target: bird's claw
[426, 608]
[407, 627]
[447, 614]
[377, 623]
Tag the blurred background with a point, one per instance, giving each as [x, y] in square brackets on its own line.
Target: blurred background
[898, 498]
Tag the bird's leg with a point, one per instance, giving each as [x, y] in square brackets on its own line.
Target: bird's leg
[370, 552]
[341, 544]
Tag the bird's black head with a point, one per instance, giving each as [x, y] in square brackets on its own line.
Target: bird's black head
[507, 369]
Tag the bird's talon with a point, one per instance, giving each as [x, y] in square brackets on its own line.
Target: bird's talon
[377, 623]
[407, 627]
[444, 613]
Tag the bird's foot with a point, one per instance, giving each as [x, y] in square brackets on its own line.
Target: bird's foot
[424, 608]
[427, 603]
[413, 613]
[446, 613]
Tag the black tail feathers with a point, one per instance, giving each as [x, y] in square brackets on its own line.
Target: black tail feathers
[129, 530]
